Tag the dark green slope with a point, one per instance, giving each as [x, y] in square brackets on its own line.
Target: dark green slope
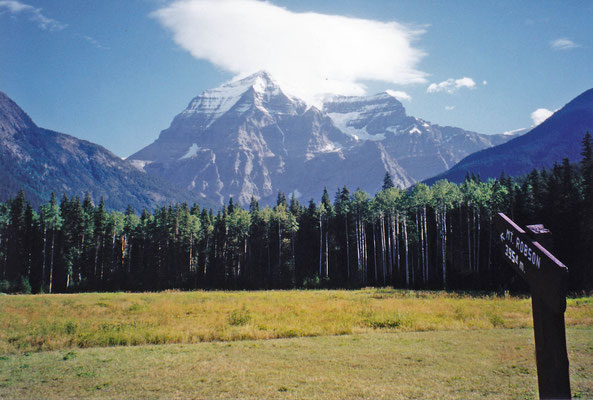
[42, 161]
[556, 138]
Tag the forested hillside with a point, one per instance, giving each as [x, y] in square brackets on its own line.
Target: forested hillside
[429, 237]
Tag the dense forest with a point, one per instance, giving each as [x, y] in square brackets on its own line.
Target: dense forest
[426, 237]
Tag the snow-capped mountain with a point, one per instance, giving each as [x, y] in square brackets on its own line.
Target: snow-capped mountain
[41, 161]
[250, 138]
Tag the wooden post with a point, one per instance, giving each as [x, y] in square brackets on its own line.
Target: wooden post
[547, 278]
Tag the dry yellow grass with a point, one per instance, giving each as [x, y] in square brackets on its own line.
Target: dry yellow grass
[50, 322]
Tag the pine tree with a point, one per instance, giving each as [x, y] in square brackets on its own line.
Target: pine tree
[387, 181]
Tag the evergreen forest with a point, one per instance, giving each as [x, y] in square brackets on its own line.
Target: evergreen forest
[427, 237]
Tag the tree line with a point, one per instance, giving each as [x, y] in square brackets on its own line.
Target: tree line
[433, 237]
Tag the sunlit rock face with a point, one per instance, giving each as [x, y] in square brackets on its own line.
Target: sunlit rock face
[249, 138]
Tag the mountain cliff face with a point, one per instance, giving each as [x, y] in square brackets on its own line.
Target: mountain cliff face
[250, 138]
[558, 137]
[420, 148]
[41, 161]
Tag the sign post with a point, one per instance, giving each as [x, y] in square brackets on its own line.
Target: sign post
[547, 279]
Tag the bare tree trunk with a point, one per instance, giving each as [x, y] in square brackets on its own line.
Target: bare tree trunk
[426, 244]
[366, 255]
[191, 263]
[347, 249]
[357, 233]
[375, 252]
[489, 242]
[293, 269]
[44, 255]
[320, 247]
[388, 246]
[393, 246]
[399, 274]
[97, 261]
[383, 261]
[407, 260]
[420, 243]
[478, 243]
[51, 267]
[279, 246]
[326, 253]
[444, 246]
[103, 259]
[469, 246]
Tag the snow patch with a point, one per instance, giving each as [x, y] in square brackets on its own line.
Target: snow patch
[516, 132]
[191, 152]
[342, 122]
[140, 164]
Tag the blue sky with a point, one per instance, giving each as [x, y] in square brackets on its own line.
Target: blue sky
[117, 72]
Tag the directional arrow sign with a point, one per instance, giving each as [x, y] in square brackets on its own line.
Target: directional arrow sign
[547, 278]
[529, 258]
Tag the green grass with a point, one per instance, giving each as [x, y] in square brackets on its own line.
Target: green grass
[52, 322]
[485, 364]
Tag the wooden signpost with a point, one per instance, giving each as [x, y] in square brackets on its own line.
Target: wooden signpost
[547, 278]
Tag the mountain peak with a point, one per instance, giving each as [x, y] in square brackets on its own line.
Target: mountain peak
[259, 81]
[12, 117]
[582, 101]
[259, 89]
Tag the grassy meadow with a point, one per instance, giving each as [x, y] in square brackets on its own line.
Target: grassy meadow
[371, 343]
[51, 322]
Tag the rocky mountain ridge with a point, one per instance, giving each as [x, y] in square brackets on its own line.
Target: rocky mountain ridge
[42, 161]
[250, 138]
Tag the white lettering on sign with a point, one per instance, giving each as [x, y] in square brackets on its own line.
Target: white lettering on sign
[517, 247]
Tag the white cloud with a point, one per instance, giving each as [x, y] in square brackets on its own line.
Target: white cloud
[451, 85]
[311, 53]
[400, 95]
[540, 115]
[15, 7]
[484, 83]
[563, 44]
[449, 108]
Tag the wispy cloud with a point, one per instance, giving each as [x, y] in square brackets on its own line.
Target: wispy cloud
[94, 42]
[563, 44]
[449, 108]
[311, 53]
[14, 7]
[400, 95]
[451, 85]
[540, 115]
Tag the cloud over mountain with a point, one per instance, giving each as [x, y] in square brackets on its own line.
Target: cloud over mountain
[311, 54]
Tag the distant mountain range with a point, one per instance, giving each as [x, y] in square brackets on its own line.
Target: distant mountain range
[558, 137]
[41, 161]
[251, 138]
